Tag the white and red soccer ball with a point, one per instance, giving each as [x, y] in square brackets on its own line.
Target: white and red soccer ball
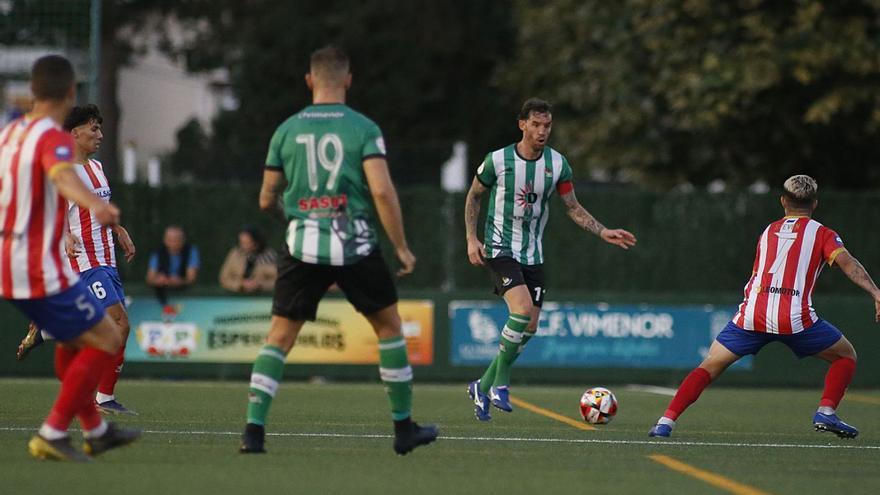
[598, 406]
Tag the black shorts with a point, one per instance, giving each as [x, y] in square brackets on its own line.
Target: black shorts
[508, 273]
[367, 285]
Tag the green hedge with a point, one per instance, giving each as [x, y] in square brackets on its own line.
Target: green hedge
[687, 242]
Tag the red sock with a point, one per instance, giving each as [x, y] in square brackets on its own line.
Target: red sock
[111, 376]
[840, 373]
[89, 417]
[688, 392]
[78, 386]
[63, 356]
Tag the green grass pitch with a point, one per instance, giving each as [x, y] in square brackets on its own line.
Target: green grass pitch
[336, 439]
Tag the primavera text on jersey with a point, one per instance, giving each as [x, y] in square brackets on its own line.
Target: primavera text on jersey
[518, 202]
[327, 202]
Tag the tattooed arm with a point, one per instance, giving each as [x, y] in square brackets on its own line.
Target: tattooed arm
[586, 221]
[476, 249]
[857, 273]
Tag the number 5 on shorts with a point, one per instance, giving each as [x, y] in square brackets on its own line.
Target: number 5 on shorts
[85, 306]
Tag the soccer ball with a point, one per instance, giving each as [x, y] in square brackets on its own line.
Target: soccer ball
[598, 406]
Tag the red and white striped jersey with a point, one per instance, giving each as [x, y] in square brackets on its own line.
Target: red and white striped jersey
[779, 296]
[33, 214]
[96, 240]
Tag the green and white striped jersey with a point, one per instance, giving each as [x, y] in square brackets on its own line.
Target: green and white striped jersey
[327, 201]
[518, 202]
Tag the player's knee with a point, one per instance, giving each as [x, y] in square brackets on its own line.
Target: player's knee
[521, 307]
[388, 328]
[110, 342]
[533, 325]
[281, 339]
[848, 352]
[123, 325]
[713, 367]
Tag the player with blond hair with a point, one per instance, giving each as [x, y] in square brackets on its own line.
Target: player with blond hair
[778, 307]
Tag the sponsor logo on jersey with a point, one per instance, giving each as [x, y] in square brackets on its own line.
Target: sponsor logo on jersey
[505, 281]
[321, 115]
[323, 202]
[526, 197]
[838, 240]
[380, 143]
[783, 291]
[62, 152]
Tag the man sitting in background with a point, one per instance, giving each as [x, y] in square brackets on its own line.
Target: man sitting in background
[174, 266]
[250, 266]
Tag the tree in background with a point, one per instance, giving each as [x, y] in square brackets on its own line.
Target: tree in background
[668, 91]
[423, 70]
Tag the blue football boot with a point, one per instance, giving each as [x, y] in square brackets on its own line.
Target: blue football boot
[501, 398]
[114, 407]
[481, 401]
[830, 422]
[660, 430]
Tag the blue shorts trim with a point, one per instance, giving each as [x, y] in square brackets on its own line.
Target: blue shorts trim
[66, 315]
[105, 284]
[808, 342]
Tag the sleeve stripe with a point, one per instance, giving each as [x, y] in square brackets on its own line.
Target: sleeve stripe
[480, 179]
[372, 155]
[58, 167]
[834, 255]
[273, 167]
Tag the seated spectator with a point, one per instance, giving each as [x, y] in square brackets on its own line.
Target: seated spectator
[174, 266]
[250, 266]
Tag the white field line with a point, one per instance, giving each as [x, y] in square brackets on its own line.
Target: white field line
[651, 389]
[658, 443]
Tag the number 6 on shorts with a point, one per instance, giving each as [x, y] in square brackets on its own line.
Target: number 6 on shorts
[98, 290]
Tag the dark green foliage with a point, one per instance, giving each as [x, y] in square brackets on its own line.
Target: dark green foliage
[667, 91]
[423, 71]
[687, 242]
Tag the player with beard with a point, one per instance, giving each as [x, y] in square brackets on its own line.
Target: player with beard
[520, 179]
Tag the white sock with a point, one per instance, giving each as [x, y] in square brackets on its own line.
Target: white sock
[96, 431]
[666, 421]
[827, 410]
[50, 433]
[46, 336]
[102, 398]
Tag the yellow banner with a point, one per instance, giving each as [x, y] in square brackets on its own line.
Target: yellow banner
[232, 330]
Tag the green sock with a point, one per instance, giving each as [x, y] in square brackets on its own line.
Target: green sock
[265, 377]
[397, 376]
[511, 338]
[489, 376]
[527, 336]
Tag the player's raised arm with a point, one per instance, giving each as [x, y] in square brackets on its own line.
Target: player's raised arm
[388, 209]
[475, 249]
[586, 221]
[857, 273]
[71, 187]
